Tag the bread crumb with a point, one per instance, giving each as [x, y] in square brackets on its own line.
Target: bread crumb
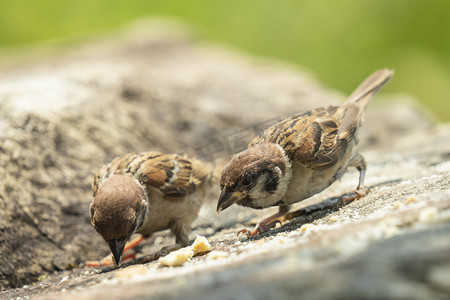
[180, 256]
[280, 240]
[218, 255]
[177, 258]
[201, 245]
[306, 227]
[397, 205]
[428, 214]
[410, 200]
[333, 219]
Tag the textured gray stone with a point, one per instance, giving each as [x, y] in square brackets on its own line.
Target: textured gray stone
[61, 118]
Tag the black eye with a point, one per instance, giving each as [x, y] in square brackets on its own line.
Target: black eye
[246, 181]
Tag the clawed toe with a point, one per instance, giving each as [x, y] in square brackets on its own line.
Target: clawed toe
[260, 228]
[247, 232]
[360, 192]
[270, 225]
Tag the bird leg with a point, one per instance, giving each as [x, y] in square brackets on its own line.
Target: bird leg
[268, 223]
[108, 260]
[359, 162]
[181, 232]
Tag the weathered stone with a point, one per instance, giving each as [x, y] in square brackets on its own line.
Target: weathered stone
[63, 117]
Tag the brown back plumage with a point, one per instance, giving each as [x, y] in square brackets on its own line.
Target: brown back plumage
[318, 138]
[174, 175]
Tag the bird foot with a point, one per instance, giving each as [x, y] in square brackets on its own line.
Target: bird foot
[260, 228]
[360, 192]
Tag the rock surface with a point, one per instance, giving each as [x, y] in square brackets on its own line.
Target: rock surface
[152, 88]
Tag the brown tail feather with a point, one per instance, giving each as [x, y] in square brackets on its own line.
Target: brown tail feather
[360, 98]
[366, 90]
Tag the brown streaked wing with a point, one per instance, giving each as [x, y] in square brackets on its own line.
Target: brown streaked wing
[174, 175]
[96, 182]
[312, 138]
[127, 163]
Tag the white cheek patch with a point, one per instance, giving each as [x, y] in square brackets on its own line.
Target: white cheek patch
[263, 198]
[258, 192]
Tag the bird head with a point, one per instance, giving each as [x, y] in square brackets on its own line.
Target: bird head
[256, 177]
[117, 211]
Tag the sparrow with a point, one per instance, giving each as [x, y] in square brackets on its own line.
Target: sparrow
[299, 157]
[145, 193]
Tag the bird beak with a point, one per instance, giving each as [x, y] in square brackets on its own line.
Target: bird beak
[226, 199]
[117, 250]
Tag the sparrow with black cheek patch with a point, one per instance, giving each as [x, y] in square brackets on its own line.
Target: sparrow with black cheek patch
[299, 157]
[145, 193]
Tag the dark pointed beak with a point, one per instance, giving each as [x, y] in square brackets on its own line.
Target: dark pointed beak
[117, 250]
[226, 199]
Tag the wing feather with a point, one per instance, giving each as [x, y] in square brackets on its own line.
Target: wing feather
[174, 175]
[313, 138]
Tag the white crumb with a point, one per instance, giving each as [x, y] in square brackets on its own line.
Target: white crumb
[306, 227]
[411, 199]
[180, 256]
[201, 245]
[177, 258]
[333, 219]
[397, 205]
[218, 255]
[428, 214]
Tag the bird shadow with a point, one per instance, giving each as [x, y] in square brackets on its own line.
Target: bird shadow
[314, 212]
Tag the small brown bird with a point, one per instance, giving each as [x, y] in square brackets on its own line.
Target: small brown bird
[145, 193]
[299, 157]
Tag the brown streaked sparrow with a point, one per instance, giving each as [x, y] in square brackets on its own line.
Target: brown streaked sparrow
[299, 157]
[145, 193]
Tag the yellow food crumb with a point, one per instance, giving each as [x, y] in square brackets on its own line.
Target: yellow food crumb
[279, 239]
[428, 214]
[306, 227]
[218, 254]
[333, 219]
[201, 245]
[177, 258]
[180, 256]
[411, 199]
[397, 205]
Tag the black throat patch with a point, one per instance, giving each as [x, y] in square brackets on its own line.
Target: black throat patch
[272, 183]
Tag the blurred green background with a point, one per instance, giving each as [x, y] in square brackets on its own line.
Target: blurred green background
[340, 41]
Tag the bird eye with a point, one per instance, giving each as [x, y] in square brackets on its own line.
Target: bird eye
[246, 181]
